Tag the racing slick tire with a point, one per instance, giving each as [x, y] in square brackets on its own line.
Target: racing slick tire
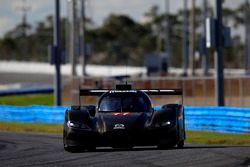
[180, 144]
[74, 149]
[165, 146]
[71, 149]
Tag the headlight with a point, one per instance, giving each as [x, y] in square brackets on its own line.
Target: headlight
[167, 123]
[77, 125]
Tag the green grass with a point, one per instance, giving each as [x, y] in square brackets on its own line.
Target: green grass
[217, 138]
[192, 136]
[28, 127]
[24, 100]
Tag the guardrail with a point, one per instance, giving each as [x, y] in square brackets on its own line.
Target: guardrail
[216, 119]
[32, 114]
[26, 91]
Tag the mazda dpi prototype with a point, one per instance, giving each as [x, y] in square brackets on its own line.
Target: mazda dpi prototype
[124, 118]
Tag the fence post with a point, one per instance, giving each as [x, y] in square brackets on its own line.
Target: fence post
[204, 91]
[183, 90]
[229, 90]
[241, 93]
[193, 91]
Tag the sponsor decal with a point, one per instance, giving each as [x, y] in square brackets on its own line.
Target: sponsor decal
[119, 126]
[122, 91]
[121, 114]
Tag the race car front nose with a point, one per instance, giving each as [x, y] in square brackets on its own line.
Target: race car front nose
[121, 121]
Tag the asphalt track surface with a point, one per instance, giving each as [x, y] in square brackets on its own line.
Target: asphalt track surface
[30, 149]
[10, 78]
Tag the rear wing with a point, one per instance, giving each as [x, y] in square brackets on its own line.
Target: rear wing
[93, 92]
[99, 92]
[162, 91]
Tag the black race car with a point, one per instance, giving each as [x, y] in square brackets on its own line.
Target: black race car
[124, 118]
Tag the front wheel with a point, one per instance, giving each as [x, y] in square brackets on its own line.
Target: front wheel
[180, 144]
[91, 148]
[71, 148]
[164, 145]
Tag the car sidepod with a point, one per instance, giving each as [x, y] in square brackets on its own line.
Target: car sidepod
[79, 129]
[168, 126]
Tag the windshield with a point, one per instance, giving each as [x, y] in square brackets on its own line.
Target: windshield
[124, 104]
[110, 104]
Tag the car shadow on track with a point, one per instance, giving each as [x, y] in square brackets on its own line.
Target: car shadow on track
[152, 148]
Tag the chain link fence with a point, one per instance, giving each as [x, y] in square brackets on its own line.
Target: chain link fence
[197, 91]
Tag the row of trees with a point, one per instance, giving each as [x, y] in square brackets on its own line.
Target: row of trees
[120, 39]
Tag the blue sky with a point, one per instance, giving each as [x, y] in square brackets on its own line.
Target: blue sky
[10, 16]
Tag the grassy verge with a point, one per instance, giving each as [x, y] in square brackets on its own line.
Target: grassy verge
[27, 127]
[23, 100]
[217, 138]
[192, 136]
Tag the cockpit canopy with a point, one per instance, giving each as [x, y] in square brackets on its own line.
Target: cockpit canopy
[124, 101]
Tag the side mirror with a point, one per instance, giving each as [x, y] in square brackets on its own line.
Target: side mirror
[75, 107]
[91, 110]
